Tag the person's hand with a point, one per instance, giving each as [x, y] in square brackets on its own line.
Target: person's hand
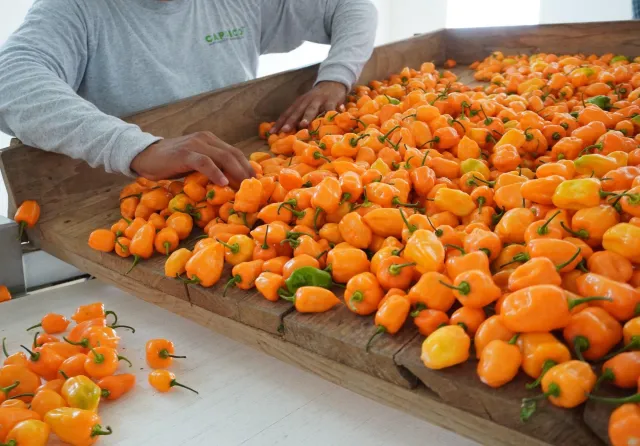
[323, 97]
[202, 151]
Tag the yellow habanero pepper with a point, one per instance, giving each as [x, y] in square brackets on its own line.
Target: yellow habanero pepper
[82, 393]
[474, 165]
[623, 239]
[514, 137]
[595, 164]
[622, 158]
[238, 249]
[455, 201]
[577, 194]
[445, 347]
[381, 166]
[425, 249]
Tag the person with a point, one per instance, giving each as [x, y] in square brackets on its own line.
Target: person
[73, 66]
[635, 5]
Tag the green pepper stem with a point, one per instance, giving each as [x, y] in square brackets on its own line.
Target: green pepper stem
[629, 399]
[379, 330]
[581, 234]
[488, 183]
[105, 393]
[4, 347]
[568, 262]
[122, 358]
[291, 202]
[459, 248]
[97, 430]
[98, 358]
[410, 227]
[633, 344]
[396, 202]
[424, 157]
[164, 354]
[549, 363]
[395, 269]
[234, 248]
[34, 356]
[315, 218]
[528, 407]
[419, 307]
[232, 282]
[607, 375]
[136, 259]
[384, 137]
[133, 330]
[113, 313]
[575, 302]
[318, 155]
[175, 383]
[265, 245]
[544, 229]
[580, 344]
[346, 196]
[464, 288]
[286, 296]
[518, 258]
[64, 375]
[84, 342]
[15, 397]
[514, 339]
[34, 326]
[8, 389]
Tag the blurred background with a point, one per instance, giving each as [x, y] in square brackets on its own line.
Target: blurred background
[396, 23]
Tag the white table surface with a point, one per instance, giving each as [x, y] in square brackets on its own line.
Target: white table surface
[246, 397]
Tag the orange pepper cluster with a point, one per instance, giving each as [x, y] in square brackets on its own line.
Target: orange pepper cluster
[503, 216]
[78, 371]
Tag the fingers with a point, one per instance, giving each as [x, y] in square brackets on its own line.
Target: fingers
[205, 165]
[313, 109]
[240, 158]
[290, 118]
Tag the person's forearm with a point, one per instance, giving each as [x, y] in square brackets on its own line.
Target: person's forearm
[41, 110]
[353, 30]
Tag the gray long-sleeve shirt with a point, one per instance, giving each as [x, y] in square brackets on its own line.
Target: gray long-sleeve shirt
[74, 65]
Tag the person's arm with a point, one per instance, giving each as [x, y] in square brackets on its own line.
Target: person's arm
[41, 67]
[350, 27]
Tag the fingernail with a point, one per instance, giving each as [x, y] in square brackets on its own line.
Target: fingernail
[224, 181]
[304, 123]
[286, 128]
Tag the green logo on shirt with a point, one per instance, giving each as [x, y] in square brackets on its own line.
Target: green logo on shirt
[224, 36]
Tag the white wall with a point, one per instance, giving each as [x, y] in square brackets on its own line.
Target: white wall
[568, 11]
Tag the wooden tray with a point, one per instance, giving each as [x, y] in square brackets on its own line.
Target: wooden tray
[76, 199]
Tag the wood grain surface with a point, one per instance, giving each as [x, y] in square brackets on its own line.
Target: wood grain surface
[470, 44]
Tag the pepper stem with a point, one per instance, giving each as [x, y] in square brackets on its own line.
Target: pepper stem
[64, 375]
[113, 313]
[381, 329]
[84, 342]
[607, 375]
[21, 395]
[575, 302]
[105, 393]
[34, 326]
[568, 262]
[133, 330]
[315, 218]
[8, 389]
[35, 340]
[98, 358]
[518, 258]
[97, 430]
[464, 288]
[459, 248]
[265, 245]
[542, 230]
[395, 269]
[545, 368]
[284, 295]
[514, 339]
[136, 259]
[396, 202]
[634, 344]
[410, 227]
[235, 248]
[122, 358]
[419, 307]
[4, 347]
[581, 234]
[629, 399]
[580, 344]
[488, 183]
[346, 196]
[357, 296]
[175, 383]
[164, 354]
[232, 282]
[34, 356]
[528, 407]
[23, 224]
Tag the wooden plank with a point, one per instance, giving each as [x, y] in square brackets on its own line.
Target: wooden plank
[471, 44]
[460, 387]
[342, 336]
[418, 402]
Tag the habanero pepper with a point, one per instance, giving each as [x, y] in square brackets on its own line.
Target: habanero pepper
[52, 323]
[593, 333]
[205, 266]
[445, 347]
[499, 362]
[141, 246]
[312, 299]
[159, 353]
[269, 284]
[27, 215]
[390, 317]
[76, 426]
[244, 275]
[113, 387]
[82, 393]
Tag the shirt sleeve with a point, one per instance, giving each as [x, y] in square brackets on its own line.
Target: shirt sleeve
[41, 68]
[348, 25]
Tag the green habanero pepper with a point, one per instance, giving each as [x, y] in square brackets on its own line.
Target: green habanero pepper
[604, 102]
[308, 276]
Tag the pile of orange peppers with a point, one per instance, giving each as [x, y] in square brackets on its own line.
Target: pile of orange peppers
[55, 386]
[503, 220]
